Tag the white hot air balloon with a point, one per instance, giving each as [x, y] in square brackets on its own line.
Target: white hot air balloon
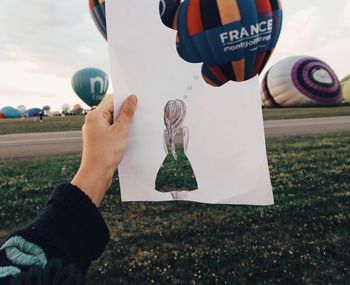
[65, 108]
[22, 109]
[301, 81]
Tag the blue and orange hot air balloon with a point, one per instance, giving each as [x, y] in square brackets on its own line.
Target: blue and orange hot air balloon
[98, 13]
[233, 38]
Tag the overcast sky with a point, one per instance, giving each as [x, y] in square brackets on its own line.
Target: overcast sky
[44, 42]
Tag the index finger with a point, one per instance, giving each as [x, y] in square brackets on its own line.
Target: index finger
[126, 113]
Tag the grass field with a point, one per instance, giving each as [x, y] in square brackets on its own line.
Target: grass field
[12, 126]
[56, 124]
[303, 239]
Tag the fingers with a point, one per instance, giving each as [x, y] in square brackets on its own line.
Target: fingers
[126, 113]
[106, 107]
[108, 116]
[105, 112]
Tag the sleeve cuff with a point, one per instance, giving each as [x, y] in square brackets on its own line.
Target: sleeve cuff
[78, 205]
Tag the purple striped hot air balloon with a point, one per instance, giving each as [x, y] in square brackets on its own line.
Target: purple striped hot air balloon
[233, 38]
[301, 81]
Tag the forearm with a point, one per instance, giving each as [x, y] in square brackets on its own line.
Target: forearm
[70, 230]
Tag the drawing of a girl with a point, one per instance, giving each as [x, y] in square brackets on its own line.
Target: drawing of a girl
[176, 174]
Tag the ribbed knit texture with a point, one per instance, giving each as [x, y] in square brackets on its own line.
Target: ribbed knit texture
[70, 229]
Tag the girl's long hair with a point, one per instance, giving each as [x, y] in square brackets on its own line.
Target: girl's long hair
[174, 116]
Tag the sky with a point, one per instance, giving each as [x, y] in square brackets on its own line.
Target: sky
[43, 43]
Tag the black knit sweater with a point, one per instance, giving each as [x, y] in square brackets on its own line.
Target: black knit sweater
[59, 246]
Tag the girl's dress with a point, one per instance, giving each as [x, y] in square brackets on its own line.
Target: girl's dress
[176, 175]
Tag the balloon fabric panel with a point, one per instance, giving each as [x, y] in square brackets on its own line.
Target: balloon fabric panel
[302, 76]
[277, 27]
[267, 94]
[168, 11]
[263, 8]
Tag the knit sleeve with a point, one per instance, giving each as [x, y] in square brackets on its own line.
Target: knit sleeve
[70, 231]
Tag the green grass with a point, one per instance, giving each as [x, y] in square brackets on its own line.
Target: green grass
[15, 126]
[303, 239]
[183, 180]
[56, 124]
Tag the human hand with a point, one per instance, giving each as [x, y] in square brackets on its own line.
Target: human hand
[104, 145]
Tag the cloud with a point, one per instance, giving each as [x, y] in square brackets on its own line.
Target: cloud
[298, 34]
[42, 44]
[52, 33]
[306, 32]
[345, 18]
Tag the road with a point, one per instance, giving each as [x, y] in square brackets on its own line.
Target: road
[307, 127]
[63, 143]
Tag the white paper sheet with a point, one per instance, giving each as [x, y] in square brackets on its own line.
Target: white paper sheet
[226, 146]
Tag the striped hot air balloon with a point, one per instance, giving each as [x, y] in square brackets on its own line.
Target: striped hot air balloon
[301, 81]
[98, 13]
[233, 38]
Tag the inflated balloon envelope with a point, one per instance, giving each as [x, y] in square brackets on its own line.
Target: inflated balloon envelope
[233, 38]
[218, 132]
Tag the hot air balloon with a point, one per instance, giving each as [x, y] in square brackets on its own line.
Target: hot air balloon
[77, 106]
[77, 109]
[22, 109]
[47, 110]
[34, 112]
[301, 81]
[2, 116]
[346, 88]
[10, 112]
[65, 108]
[234, 38]
[98, 13]
[91, 85]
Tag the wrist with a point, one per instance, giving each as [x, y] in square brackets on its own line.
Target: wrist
[93, 183]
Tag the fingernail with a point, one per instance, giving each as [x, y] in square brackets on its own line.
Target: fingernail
[132, 99]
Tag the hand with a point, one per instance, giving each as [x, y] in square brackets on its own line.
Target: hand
[104, 145]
